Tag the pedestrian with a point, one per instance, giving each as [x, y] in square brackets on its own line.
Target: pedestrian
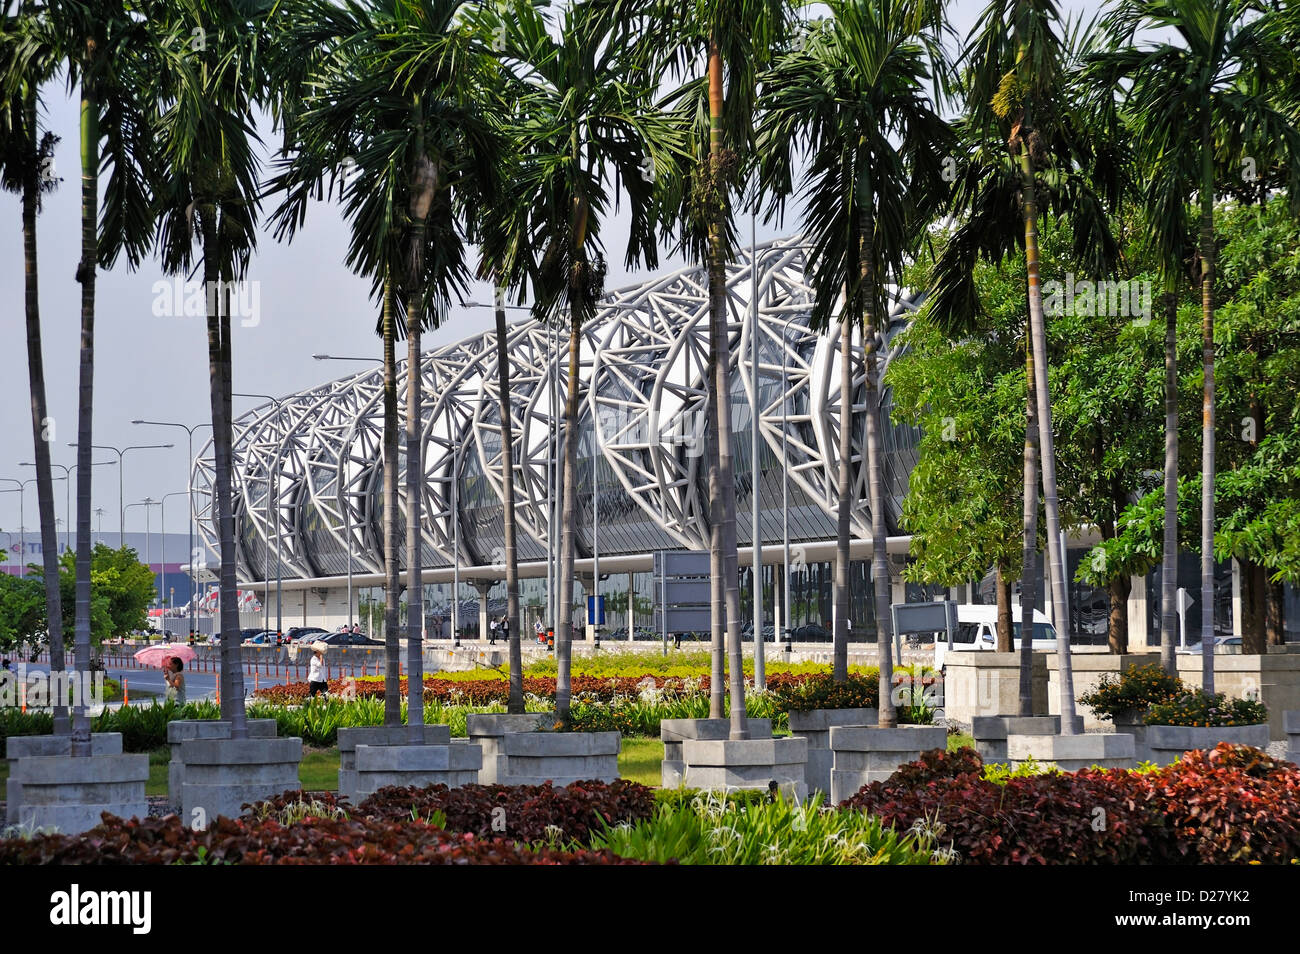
[316, 670]
[541, 633]
[505, 628]
[356, 629]
[492, 631]
[173, 673]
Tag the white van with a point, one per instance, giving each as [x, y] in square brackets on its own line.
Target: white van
[977, 629]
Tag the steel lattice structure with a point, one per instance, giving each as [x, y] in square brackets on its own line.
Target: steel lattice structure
[318, 453]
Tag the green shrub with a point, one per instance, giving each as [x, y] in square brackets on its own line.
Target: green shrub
[1137, 688]
[1198, 708]
[715, 830]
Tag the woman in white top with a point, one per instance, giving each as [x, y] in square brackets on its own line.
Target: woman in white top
[316, 671]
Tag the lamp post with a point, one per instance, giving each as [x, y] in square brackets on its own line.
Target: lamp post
[162, 536]
[347, 509]
[148, 554]
[272, 496]
[22, 525]
[67, 502]
[121, 500]
[99, 531]
[189, 485]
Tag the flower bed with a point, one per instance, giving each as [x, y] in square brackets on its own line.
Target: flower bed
[1230, 805]
[1198, 708]
[1136, 689]
[254, 841]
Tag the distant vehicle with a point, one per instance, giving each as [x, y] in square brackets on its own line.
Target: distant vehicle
[977, 630]
[264, 638]
[299, 634]
[769, 632]
[811, 633]
[346, 639]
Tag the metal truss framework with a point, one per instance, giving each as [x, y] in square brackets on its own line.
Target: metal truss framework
[317, 455]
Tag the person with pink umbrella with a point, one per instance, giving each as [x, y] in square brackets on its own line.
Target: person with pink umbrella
[174, 673]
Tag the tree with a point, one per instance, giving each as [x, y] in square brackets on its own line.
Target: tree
[110, 58]
[718, 48]
[28, 60]
[578, 132]
[22, 613]
[1226, 57]
[854, 100]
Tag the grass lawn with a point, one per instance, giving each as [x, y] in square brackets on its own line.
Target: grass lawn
[319, 770]
[639, 761]
[960, 741]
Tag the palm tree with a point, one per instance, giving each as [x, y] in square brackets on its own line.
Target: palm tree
[27, 60]
[585, 122]
[853, 101]
[1222, 50]
[736, 38]
[209, 197]
[1021, 111]
[106, 45]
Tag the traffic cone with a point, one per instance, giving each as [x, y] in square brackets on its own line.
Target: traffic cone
[126, 696]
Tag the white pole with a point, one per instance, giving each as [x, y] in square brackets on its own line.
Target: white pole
[455, 533]
[785, 471]
[760, 669]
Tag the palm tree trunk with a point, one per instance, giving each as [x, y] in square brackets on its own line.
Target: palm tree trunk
[568, 523]
[516, 698]
[721, 383]
[1169, 559]
[1029, 571]
[219, 371]
[840, 648]
[1207, 405]
[41, 436]
[717, 599]
[1002, 590]
[414, 541]
[80, 744]
[392, 570]
[872, 334]
[1051, 504]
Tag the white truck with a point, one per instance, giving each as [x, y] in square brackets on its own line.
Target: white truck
[977, 629]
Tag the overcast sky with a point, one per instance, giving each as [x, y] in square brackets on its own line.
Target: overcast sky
[157, 367]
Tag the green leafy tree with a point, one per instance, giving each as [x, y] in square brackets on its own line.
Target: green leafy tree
[22, 612]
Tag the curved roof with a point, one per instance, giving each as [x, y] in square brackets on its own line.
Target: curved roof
[316, 456]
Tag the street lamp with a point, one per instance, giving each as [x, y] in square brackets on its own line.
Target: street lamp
[148, 554]
[22, 526]
[67, 502]
[121, 452]
[189, 484]
[162, 535]
[272, 496]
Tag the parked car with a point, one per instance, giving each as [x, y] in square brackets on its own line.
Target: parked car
[304, 634]
[977, 626]
[346, 639]
[265, 637]
[812, 633]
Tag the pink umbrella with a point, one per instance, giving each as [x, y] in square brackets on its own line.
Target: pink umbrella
[154, 655]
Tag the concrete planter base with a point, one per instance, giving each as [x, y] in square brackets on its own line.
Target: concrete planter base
[866, 755]
[725, 765]
[46, 746]
[418, 765]
[70, 794]
[375, 735]
[1086, 670]
[183, 730]
[531, 758]
[1292, 723]
[1070, 753]
[815, 726]
[673, 732]
[222, 774]
[988, 684]
[991, 732]
[1130, 722]
[1167, 743]
[487, 730]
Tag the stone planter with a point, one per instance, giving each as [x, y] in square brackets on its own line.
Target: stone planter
[487, 730]
[1131, 722]
[418, 765]
[864, 755]
[69, 793]
[223, 774]
[1292, 723]
[725, 765]
[1273, 679]
[673, 732]
[988, 684]
[46, 746]
[531, 758]
[991, 732]
[1087, 670]
[183, 730]
[377, 735]
[1070, 753]
[815, 726]
[1167, 743]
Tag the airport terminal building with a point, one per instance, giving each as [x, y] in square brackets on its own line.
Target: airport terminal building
[308, 475]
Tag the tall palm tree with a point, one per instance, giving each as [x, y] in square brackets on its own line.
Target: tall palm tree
[27, 60]
[1028, 147]
[396, 96]
[718, 48]
[107, 49]
[586, 123]
[1221, 50]
[209, 200]
[853, 101]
